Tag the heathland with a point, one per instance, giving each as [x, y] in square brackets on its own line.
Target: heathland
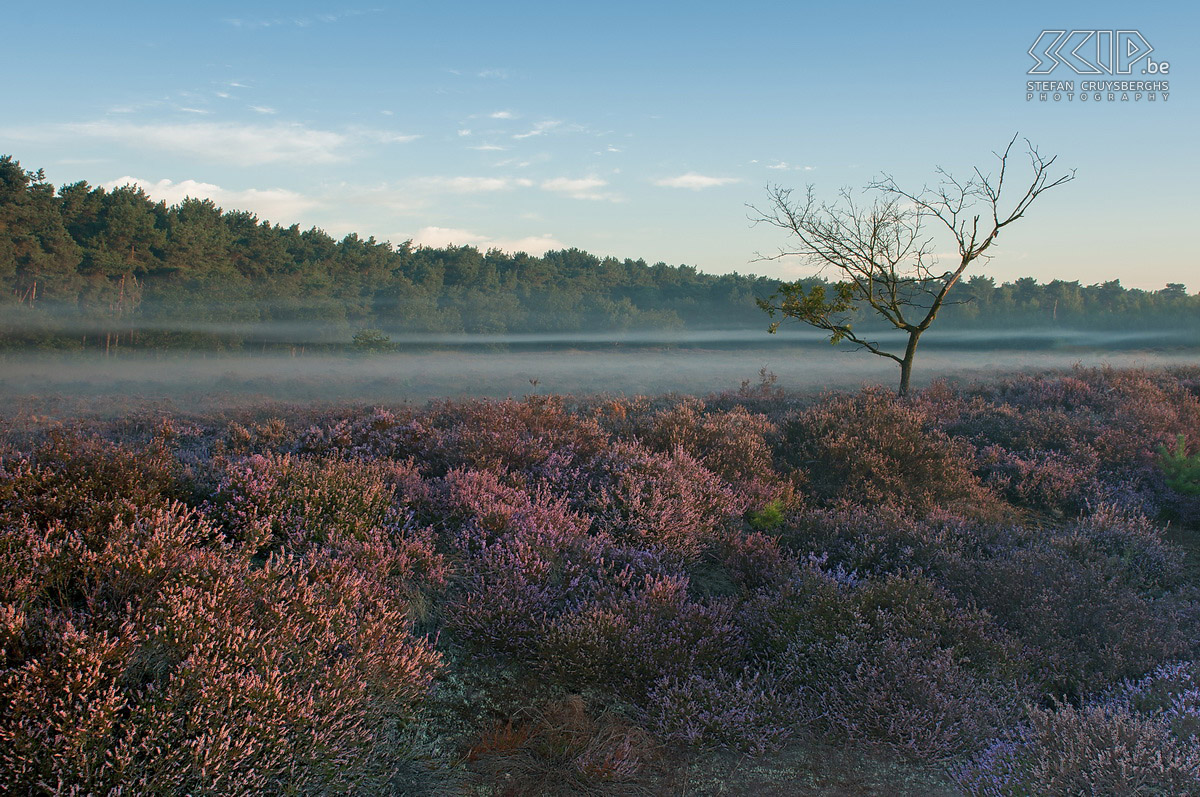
[984, 588]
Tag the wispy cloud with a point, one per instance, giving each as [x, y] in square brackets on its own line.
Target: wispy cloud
[502, 115]
[580, 188]
[381, 136]
[306, 21]
[695, 182]
[471, 185]
[278, 204]
[497, 74]
[784, 165]
[540, 128]
[447, 236]
[240, 144]
[488, 148]
[262, 109]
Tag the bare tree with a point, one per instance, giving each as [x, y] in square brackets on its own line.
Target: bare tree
[885, 251]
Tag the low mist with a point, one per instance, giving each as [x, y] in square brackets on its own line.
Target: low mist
[433, 366]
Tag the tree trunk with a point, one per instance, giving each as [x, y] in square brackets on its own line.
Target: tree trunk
[910, 352]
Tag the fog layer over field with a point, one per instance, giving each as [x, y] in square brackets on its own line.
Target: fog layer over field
[425, 367]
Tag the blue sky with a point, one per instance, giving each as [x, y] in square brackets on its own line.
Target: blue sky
[626, 129]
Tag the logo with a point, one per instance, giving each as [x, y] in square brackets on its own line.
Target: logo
[1094, 52]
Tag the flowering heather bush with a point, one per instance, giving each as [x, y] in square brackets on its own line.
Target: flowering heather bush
[1107, 424]
[626, 645]
[85, 481]
[1171, 694]
[897, 660]
[879, 539]
[734, 444]
[289, 497]
[1048, 481]
[151, 656]
[749, 713]
[511, 435]
[1094, 601]
[272, 435]
[874, 448]
[1098, 749]
[649, 499]
[529, 559]
[499, 436]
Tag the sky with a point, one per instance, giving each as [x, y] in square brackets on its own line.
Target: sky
[640, 130]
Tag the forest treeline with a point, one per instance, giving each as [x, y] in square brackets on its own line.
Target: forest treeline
[82, 266]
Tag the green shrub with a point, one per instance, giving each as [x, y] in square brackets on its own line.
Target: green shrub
[1181, 469]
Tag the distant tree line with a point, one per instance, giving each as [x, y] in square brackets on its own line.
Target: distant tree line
[86, 267]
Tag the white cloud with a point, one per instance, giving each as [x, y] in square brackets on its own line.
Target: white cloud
[262, 109]
[471, 185]
[452, 236]
[488, 148]
[466, 131]
[277, 204]
[298, 22]
[444, 236]
[225, 142]
[503, 115]
[695, 182]
[243, 145]
[540, 128]
[784, 165]
[193, 110]
[581, 188]
[382, 136]
[502, 74]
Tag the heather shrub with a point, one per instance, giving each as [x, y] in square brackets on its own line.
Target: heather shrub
[1171, 694]
[875, 448]
[382, 433]
[86, 481]
[879, 539]
[272, 435]
[527, 559]
[734, 444]
[1096, 601]
[1116, 419]
[627, 644]
[563, 748]
[1097, 749]
[510, 435]
[155, 657]
[750, 713]
[753, 561]
[291, 497]
[1047, 481]
[649, 499]
[895, 660]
